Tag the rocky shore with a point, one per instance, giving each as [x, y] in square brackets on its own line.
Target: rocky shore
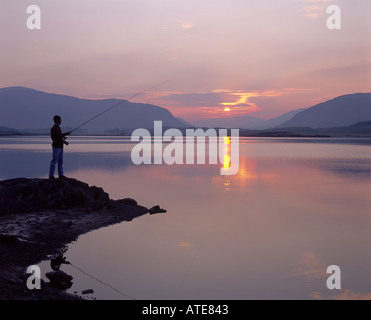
[40, 217]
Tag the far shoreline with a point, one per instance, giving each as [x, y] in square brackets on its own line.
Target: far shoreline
[260, 135]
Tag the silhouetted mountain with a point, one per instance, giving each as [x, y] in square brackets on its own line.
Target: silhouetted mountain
[362, 128]
[186, 123]
[28, 109]
[361, 125]
[359, 129]
[274, 122]
[246, 121]
[6, 130]
[339, 112]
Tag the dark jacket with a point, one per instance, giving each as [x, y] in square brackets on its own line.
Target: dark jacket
[57, 136]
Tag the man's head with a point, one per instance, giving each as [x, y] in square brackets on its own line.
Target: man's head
[57, 120]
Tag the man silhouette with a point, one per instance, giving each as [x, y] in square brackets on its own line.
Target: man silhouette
[58, 139]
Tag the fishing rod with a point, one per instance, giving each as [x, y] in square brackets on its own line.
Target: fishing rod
[114, 106]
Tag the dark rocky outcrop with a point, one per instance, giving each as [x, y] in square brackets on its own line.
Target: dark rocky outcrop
[59, 279]
[28, 195]
[40, 217]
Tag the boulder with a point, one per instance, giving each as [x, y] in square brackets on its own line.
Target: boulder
[87, 291]
[59, 279]
[156, 209]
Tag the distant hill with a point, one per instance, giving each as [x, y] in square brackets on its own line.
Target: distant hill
[274, 122]
[362, 128]
[28, 109]
[6, 130]
[24, 110]
[246, 121]
[361, 125]
[359, 129]
[186, 123]
[339, 112]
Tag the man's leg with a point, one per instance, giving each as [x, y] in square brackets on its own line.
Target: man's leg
[53, 162]
[60, 163]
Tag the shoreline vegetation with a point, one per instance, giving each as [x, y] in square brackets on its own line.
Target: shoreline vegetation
[40, 217]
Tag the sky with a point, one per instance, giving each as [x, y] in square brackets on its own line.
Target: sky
[222, 57]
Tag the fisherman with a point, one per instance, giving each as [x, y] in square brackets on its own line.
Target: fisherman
[59, 139]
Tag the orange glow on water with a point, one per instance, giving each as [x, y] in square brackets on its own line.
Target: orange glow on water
[227, 157]
[226, 162]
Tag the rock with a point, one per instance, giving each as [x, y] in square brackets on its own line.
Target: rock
[87, 291]
[59, 279]
[5, 238]
[24, 195]
[156, 209]
[40, 194]
[127, 201]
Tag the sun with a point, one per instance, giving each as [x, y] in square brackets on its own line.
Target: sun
[226, 109]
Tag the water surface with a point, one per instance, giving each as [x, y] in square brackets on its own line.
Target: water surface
[295, 207]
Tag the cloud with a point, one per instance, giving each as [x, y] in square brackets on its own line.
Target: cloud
[346, 294]
[352, 295]
[312, 9]
[171, 53]
[210, 104]
[187, 25]
[355, 71]
[200, 105]
[185, 245]
[243, 98]
[311, 267]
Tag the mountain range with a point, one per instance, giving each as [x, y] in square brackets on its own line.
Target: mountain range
[338, 112]
[246, 121]
[31, 111]
[341, 111]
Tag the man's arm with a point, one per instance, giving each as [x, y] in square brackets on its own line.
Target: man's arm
[64, 137]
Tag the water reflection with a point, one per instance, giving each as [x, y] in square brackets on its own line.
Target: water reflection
[226, 162]
[268, 232]
[312, 271]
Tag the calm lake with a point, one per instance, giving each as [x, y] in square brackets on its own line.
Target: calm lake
[295, 207]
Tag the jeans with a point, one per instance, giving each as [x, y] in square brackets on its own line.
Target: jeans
[57, 158]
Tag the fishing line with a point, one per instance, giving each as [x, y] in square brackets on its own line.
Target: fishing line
[114, 106]
[110, 108]
[100, 281]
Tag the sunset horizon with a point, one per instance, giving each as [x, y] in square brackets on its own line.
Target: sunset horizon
[259, 58]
